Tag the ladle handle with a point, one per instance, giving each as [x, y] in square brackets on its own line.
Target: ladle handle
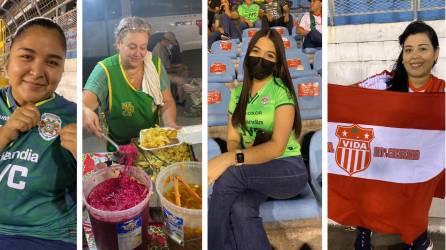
[111, 141]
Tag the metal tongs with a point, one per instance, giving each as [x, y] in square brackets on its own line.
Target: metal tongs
[118, 154]
[149, 170]
[111, 141]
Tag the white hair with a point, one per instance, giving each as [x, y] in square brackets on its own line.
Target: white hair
[133, 24]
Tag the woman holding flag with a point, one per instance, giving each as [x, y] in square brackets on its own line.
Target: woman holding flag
[411, 73]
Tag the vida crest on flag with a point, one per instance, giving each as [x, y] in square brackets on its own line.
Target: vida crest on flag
[353, 153]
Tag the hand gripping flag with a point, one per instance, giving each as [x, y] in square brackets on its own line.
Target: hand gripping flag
[386, 158]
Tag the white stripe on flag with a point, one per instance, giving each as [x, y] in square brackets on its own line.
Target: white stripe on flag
[356, 160]
[430, 143]
[363, 159]
[349, 162]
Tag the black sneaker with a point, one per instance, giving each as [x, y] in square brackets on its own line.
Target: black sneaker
[363, 239]
[421, 243]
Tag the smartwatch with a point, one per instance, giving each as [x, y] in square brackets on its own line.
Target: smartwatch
[239, 157]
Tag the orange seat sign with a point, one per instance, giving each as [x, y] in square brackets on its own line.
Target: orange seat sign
[214, 97]
[218, 68]
[308, 89]
[225, 45]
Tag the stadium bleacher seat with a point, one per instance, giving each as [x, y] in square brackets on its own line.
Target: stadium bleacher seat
[309, 97]
[220, 69]
[218, 103]
[298, 64]
[225, 48]
[316, 165]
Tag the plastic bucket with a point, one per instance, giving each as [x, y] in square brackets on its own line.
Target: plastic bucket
[119, 230]
[182, 225]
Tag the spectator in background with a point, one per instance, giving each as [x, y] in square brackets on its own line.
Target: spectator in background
[213, 8]
[310, 26]
[177, 73]
[175, 50]
[249, 15]
[276, 13]
[226, 24]
[227, 21]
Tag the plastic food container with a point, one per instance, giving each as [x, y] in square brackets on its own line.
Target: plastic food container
[182, 225]
[119, 230]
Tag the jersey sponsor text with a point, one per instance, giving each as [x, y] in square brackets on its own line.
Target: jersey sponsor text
[13, 169]
[26, 155]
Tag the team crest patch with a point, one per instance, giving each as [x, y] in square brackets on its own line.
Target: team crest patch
[127, 109]
[49, 126]
[265, 100]
[353, 153]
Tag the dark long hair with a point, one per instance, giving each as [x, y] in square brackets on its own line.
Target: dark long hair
[280, 71]
[42, 22]
[399, 79]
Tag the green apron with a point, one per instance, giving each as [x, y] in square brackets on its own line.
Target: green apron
[130, 110]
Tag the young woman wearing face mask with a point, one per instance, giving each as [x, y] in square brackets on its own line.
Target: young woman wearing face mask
[247, 175]
[411, 73]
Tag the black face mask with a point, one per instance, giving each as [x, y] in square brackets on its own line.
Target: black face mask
[259, 67]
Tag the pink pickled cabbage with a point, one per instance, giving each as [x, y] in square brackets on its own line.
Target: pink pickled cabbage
[130, 152]
[117, 194]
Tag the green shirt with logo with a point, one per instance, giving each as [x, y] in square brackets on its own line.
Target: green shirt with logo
[127, 110]
[250, 13]
[38, 175]
[261, 111]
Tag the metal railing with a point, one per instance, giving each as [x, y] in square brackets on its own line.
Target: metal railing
[68, 22]
[362, 11]
[15, 12]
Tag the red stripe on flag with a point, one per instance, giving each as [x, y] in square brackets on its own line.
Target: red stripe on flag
[386, 108]
[386, 207]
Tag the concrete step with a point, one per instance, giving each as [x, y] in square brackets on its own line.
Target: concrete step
[341, 237]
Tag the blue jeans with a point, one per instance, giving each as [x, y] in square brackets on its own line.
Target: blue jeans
[229, 27]
[313, 40]
[212, 37]
[233, 220]
[32, 243]
[279, 22]
[256, 24]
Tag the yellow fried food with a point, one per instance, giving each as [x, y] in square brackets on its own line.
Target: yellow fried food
[169, 155]
[157, 137]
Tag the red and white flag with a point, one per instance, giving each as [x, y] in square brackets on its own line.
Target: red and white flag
[386, 158]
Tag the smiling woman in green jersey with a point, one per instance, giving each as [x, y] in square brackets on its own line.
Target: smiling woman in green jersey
[38, 144]
[131, 87]
[254, 169]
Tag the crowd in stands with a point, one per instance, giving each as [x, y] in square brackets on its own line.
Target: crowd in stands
[228, 18]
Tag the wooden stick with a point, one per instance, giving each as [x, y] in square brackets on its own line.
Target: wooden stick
[177, 192]
[167, 180]
[188, 188]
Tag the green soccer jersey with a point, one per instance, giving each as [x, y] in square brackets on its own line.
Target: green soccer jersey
[38, 176]
[260, 113]
[250, 13]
